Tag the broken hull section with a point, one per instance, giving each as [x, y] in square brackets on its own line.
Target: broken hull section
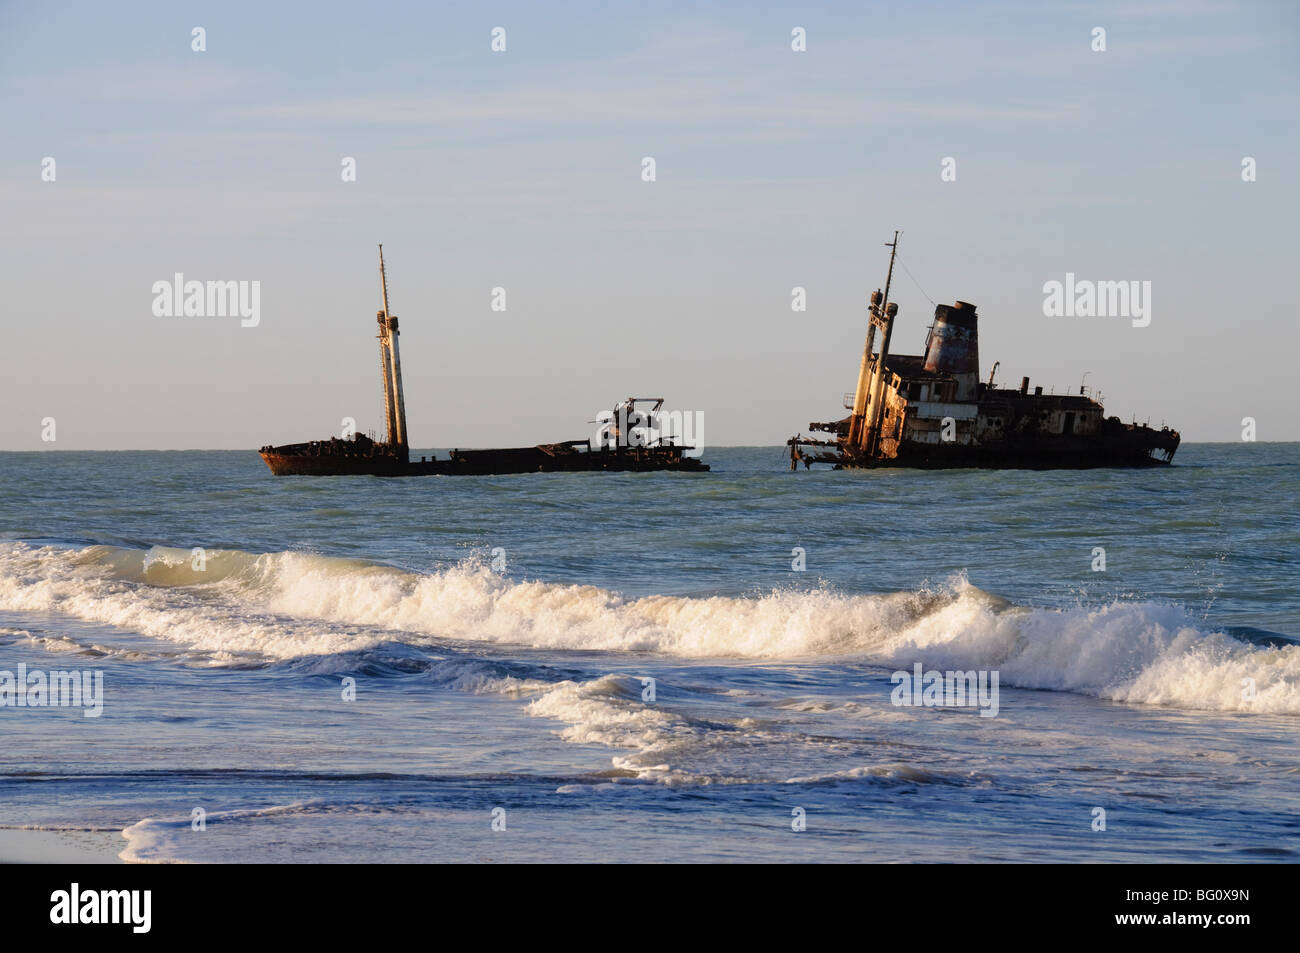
[627, 441]
[1025, 434]
[301, 460]
[1141, 450]
[1110, 443]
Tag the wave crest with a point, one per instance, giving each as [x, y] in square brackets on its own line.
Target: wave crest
[290, 605]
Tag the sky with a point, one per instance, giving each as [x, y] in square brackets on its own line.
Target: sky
[522, 169]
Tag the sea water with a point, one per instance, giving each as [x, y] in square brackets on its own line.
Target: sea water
[656, 667]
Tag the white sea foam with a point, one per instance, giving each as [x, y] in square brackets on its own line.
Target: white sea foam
[161, 840]
[892, 771]
[290, 605]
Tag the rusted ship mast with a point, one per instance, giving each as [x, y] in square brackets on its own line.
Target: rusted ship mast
[621, 448]
[933, 411]
[390, 365]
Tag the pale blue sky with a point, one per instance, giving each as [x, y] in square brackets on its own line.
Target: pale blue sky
[522, 170]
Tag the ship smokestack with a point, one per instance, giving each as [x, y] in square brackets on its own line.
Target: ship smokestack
[954, 347]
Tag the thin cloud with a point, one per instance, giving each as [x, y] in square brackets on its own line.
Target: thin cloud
[663, 104]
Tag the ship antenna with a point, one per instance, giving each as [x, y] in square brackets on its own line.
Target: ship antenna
[383, 278]
[888, 278]
[386, 359]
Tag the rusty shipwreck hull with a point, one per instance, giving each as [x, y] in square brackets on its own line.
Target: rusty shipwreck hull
[998, 435]
[626, 442]
[1110, 443]
[933, 411]
[302, 460]
[1144, 448]
[284, 461]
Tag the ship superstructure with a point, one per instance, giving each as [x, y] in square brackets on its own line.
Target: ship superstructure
[932, 410]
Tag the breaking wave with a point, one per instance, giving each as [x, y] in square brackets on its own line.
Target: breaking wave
[292, 605]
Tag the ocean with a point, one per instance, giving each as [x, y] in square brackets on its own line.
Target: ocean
[656, 667]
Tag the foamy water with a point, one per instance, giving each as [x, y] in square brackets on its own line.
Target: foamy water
[291, 605]
[646, 656]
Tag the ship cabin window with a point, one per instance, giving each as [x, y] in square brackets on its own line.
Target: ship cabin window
[914, 390]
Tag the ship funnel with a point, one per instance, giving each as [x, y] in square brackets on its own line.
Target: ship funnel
[954, 347]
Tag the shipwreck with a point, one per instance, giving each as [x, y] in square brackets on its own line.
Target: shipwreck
[628, 439]
[932, 410]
